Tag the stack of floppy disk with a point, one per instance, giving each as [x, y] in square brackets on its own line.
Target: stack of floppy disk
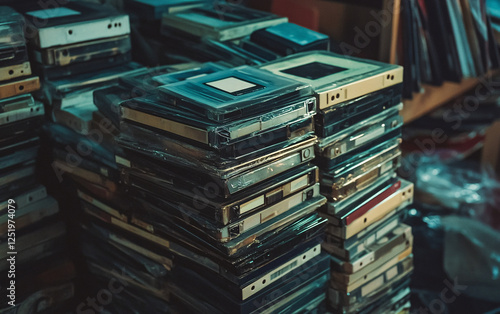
[79, 47]
[358, 126]
[234, 33]
[75, 38]
[32, 238]
[225, 196]
[76, 47]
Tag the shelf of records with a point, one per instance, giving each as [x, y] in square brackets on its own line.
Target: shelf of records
[447, 49]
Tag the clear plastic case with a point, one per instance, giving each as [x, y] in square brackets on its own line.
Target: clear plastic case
[234, 94]
[337, 78]
[150, 112]
[221, 21]
[11, 29]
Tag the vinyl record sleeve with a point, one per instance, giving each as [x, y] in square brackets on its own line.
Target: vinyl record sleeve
[435, 67]
[444, 43]
[463, 46]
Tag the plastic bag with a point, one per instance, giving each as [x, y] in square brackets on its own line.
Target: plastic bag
[472, 257]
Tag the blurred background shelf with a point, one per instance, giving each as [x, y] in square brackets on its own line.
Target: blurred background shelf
[433, 97]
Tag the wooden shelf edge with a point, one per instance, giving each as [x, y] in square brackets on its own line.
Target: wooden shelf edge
[433, 97]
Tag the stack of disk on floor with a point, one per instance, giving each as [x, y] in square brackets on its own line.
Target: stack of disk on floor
[358, 124]
[84, 162]
[34, 267]
[109, 253]
[83, 159]
[226, 215]
[235, 34]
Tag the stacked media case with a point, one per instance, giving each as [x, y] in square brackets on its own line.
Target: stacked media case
[76, 48]
[235, 34]
[219, 166]
[200, 195]
[216, 31]
[112, 248]
[34, 266]
[358, 126]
